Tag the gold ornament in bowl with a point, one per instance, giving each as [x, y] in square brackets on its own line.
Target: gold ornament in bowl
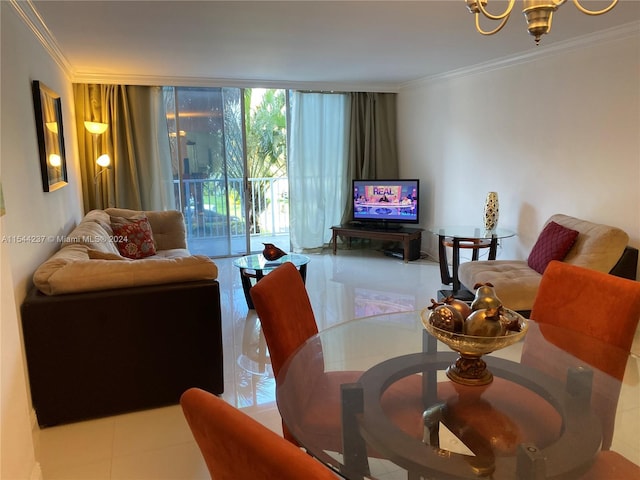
[469, 368]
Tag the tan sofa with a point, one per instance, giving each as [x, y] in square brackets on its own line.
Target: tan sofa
[104, 334]
[597, 247]
[89, 259]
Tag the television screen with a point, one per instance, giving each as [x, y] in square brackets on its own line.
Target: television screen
[386, 201]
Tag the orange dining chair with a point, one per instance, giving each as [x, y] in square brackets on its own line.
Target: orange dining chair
[595, 305]
[592, 303]
[606, 308]
[282, 304]
[584, 301]
[235, 446]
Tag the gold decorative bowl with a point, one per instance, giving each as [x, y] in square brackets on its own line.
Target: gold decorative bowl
[469, 368]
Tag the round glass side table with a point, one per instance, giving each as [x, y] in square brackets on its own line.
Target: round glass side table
[254, 267]
[464, 236]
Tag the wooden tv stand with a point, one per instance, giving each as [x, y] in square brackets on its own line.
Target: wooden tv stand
[404, 235]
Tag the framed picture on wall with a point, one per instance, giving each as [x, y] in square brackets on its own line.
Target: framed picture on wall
[48, 111]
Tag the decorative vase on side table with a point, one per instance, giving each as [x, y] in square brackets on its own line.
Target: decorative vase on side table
[491, 211]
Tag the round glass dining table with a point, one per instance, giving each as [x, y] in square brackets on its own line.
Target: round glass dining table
[371, 398]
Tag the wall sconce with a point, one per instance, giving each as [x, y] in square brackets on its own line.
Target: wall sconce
[104, 161]
[97, 128]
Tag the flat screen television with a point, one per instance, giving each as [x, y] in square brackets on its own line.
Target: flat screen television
[386, 202]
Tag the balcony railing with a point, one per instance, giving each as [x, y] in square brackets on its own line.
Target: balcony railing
[212, 211]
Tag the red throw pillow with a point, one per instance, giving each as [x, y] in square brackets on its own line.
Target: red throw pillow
[554, 243]
[133, 236]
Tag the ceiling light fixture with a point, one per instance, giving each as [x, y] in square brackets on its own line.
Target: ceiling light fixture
[538, 13]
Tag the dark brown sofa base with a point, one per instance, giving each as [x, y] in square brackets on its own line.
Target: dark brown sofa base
[102, 353]
[627, 266]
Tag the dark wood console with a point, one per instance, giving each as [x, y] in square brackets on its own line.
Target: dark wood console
[407, 236]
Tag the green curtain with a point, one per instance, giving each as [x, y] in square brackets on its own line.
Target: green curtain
[373, 151]
[137, 142]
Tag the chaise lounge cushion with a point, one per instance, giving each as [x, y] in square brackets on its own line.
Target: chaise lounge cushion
[65, 275]
[597, 247]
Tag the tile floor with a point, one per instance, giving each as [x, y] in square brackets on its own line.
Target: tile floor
[157, 444]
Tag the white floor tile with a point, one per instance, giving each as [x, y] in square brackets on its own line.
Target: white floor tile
[85, 471]
[178, 462]
[75, 445]
[157, 444]
[150, 430]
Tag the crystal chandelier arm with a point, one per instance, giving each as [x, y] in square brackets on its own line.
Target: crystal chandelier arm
[496, 30]
[594, 12]
[501, 16]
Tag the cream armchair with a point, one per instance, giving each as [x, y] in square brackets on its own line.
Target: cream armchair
[596, 246]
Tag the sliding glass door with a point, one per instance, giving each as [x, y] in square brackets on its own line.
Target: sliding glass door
[228, 148]
[268, 184]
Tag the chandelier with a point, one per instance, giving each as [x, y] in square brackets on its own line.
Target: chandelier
[538, 14]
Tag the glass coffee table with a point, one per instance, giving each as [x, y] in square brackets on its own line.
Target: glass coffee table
[254, 267]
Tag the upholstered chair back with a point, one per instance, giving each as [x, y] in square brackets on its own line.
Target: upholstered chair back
[235, 446]
[604, 311]
[282, 304]
[592, 303]
[286, 318]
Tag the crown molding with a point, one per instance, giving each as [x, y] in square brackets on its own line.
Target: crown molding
[30, 16]
[612, 34]
[182, 81]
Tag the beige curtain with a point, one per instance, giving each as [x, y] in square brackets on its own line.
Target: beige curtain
[373, 151]
[140, 176]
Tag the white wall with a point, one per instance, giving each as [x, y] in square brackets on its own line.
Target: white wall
[558, 134]
[29, 211]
